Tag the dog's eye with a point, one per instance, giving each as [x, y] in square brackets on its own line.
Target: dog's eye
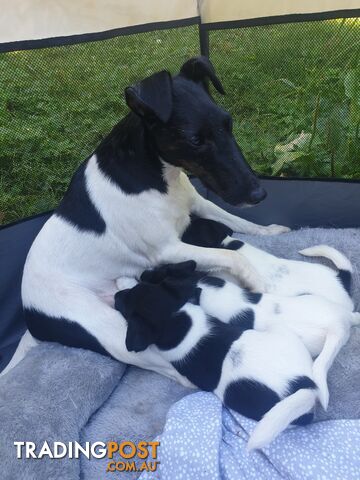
[196, 140]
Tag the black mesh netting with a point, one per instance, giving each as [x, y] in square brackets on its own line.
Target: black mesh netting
[293, 90]
[56, 104]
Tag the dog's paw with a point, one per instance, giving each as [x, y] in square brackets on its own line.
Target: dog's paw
[274, 230]
[247, 275]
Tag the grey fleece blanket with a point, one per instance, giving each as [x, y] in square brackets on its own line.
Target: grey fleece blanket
[62, 394]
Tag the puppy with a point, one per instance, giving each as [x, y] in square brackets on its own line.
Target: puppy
[281, 276]
[264, 375]
[322, 326]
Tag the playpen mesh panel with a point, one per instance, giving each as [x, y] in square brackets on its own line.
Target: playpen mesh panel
[294, 92]
[56, 104]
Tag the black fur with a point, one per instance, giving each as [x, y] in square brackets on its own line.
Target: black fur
[195, 298]
[250, 398]
[234, 245]
[203, 365]
[152, 303]
[206, 233]
[61, 330]
[128, 157]
[244, 319]
[180, 326]
[345, 279]
[189, 130]
[253, 297]
[213, 281]
[77, 208]
[297, 384]
[200, 70]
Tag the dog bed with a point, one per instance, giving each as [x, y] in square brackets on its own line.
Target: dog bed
[62, 394]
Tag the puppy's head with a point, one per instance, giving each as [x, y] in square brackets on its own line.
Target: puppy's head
[191, 131]
[149, 307]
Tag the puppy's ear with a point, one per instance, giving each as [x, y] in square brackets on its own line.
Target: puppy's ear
[139, 335]
[121, 304]
[195, 298]
[152, 97]
[154, 276]
[200, 69]
[181, 270]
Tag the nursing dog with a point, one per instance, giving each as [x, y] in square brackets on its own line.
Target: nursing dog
[127, 207]
[248, 350]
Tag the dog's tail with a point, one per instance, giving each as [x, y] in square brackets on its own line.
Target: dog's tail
[294, 407]
[26, 343]
[341, 262]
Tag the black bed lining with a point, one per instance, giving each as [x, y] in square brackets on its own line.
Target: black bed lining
[279, 19]
[96, 36]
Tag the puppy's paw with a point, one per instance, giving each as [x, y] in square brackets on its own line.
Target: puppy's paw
[274, 230]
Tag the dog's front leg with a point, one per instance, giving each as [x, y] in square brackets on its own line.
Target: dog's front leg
[215, 259]
[206, 209]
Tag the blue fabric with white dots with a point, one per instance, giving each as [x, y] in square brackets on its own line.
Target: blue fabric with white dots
[203, 440]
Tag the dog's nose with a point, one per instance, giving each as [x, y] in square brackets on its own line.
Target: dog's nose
[258, 195]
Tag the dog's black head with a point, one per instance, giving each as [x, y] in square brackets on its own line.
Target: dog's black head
[149, 306]
[191, 131]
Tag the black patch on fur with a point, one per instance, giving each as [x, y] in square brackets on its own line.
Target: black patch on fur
[345, 279]
[253, 297]
[129, 158]
[304, 419]
[213, 281]
[234, 245]
[77, 208]
[203, 365]
[296, 384]
[250, 398]
[299, 383]
[244, 319]
[205, 233]
[195, 298]
[61, 330]
[180, 325]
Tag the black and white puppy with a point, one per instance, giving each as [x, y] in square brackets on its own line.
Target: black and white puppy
[282, 276]
[128, 205]
[265, 375]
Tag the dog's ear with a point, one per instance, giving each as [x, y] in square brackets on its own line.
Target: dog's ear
[152, 97]
[200, 69]
[139, 335]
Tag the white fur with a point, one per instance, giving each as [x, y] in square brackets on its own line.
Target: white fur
[71, 273]
[312, 318]
[322, 326]
[293, 277]
[27, 341]
[280, 416]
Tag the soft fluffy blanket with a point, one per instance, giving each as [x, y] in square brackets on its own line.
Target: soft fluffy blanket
[206, 441]
[62, 394]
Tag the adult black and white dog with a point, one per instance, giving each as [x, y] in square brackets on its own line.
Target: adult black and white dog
[127, 207]
[252, 351]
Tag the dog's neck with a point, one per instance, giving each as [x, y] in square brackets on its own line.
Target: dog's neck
[171, 173]
[129, 157]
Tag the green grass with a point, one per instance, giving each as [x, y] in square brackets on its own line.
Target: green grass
[57, 104]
